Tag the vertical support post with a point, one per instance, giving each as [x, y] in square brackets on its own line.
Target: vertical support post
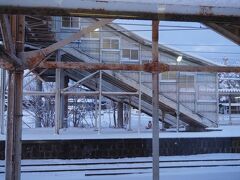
[139, 101]
[39, 87]
[230, 110]
[178, 100]
[217, 97]
[2, 99]
[100, 87]
[100, 102]
[163, 121]
[120, 114]
[140, 92]
[13, 144]
[59, 98]
[57, 101]
[196, 93]
[96, 114]
[65, 103]
[14, 126]
[155, 102]
[129, 115]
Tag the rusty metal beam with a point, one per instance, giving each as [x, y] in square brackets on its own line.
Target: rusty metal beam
[91, 66]
[226, 69]
[184, 10]
[148, 67]
[222, 29]
[34, 57]
[6, 61]
[14, 126]
[14, 117]
[9, 46]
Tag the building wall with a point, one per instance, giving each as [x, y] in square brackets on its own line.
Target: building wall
[198, 91]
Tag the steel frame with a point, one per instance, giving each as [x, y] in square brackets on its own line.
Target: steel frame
[15, 60]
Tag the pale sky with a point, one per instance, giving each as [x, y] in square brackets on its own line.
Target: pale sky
[204, 42]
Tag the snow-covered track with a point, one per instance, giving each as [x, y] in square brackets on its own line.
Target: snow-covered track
[122, 168]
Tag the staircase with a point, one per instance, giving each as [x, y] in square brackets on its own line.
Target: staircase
[119, 82]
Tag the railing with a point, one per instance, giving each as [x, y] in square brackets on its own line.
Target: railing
[199, 114]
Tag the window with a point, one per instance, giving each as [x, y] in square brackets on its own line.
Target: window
[171, 75]
[110, 44]
[186, 81]
[94, 35]
[130, 54]
[71, 22]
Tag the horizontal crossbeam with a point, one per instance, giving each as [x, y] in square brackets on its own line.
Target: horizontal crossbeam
[184, 10]
[148, 67]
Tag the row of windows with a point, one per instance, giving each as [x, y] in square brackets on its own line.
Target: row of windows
[111, 43]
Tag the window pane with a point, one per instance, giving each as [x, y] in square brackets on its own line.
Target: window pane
[169, 75]
[134, 54]
[106, 43]
[164, 75]
[186, 81]
[126, 53]
[172, 75]
[74, 22]
[95, 34]
[111, 56]
[115, 44]
[66, 22]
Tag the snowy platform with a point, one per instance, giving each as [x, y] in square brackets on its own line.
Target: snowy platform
[111, 133]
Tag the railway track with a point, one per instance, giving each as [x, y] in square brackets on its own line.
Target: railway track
[121, 167]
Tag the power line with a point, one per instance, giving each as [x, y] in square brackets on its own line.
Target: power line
[135, 24]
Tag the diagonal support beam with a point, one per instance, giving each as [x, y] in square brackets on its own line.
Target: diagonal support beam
[9, 45]
[6, 61]
[7, 35]
[34, 57]
[80, 81]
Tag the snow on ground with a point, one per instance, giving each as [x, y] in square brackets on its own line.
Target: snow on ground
[180, 173]
[107, 133]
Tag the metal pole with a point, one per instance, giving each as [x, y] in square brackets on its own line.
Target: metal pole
[140, 93]
[155, 102]
[178, 102]
[13, 145]
[100, 102]
[2, 99]
[139, 102]
[129, 115]
[230, 110]
[57, 101]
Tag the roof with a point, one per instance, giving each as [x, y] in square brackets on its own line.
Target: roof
[169, 50]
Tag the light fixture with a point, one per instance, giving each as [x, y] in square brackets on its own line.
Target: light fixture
[96, 30]
[179, 58]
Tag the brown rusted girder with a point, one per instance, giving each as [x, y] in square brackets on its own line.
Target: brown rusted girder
[185, 68]
[148, 67]
[6, 62]
[91, 66]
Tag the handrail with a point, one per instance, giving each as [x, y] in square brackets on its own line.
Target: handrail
[171, 99]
